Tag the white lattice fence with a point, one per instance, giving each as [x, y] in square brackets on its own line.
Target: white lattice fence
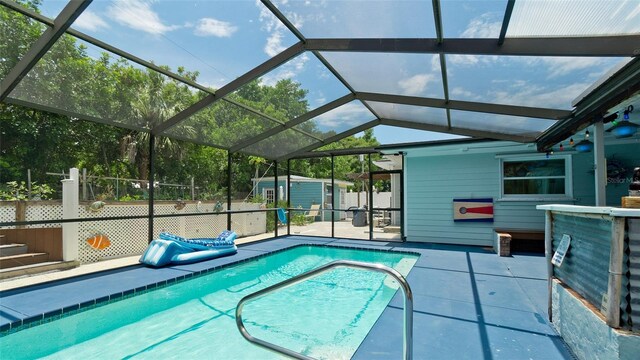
[35, 210]
[130, 237]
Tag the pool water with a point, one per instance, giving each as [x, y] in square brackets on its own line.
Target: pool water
[326, 317]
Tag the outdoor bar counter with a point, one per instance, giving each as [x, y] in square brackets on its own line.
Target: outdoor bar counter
[594, 285]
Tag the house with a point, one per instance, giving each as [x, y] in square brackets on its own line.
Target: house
[306, 192]
[513, 176]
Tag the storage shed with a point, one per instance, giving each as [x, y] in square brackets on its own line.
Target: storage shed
[306, 192]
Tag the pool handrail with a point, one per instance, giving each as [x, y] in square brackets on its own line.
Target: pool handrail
[404, 285]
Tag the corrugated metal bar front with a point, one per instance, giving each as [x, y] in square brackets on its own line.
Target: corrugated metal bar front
[631, 297]
[586, 266]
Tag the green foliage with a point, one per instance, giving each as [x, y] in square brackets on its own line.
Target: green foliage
[298, 219]
[271, 214]
[19, 191]
[112, 90]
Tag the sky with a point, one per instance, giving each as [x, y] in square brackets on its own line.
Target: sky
[224, 39]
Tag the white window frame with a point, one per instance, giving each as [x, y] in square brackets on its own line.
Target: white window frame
[265, 195]
[568, 179]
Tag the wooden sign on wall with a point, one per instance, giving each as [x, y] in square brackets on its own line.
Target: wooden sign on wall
[477, 210]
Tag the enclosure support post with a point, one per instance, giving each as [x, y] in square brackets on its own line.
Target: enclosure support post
[228, 191]
[548, 252]
[193, 188]
[600, 164]
[370, 200]
[615, 272]
[289, 217]
[333, 198]
[70, 203]
[402, 234]
[84, 184]
[152, 177]
[275, 198]
[29, 184]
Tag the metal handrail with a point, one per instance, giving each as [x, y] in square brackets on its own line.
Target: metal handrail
[404, 285]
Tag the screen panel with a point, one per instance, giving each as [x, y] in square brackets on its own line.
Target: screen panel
[85, 81]
[505, 124]
[17, 34]
[338, 120]
[547, 82]
[419, 114]
[390, 73]
[280, 144]
[217, 41]
[533, 18]
[353, 19]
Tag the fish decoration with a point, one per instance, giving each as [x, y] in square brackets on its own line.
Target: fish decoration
[99, 241]
[96, 206]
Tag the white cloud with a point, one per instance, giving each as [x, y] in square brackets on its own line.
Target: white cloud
[416, 84]
[138, 15]
[483, 26]
[348, 115]
[287, 71]
[466, 60]
[89, 20]
[274, 27]
[213, 27]
[461, 93]
[526, 94]
[560, 66]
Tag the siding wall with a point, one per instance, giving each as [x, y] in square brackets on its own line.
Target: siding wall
[305, 194]
[433, 181]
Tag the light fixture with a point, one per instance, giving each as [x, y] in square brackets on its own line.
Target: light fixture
[571, 142]
[561, 147]
[585, 145]
[624, 128]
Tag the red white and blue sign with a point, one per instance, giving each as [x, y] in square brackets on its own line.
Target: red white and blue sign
[476, 210]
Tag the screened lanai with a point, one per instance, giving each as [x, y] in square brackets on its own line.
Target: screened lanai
[506, 70]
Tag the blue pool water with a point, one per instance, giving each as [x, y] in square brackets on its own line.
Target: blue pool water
[326, 317]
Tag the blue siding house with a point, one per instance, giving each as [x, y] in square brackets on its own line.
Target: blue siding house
[305, 192]
[437, 173]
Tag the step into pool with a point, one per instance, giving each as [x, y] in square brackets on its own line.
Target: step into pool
[326, 317]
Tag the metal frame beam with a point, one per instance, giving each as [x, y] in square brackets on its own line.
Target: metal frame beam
[624, 45]
[513, 110]
[67, 16]
[299, 120]
[331, 139]
[437, 18]
[247, 77]
[437, 15]
[458, 131]
[277, 13]
[505, 21]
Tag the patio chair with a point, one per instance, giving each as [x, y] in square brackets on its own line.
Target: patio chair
[313, 212]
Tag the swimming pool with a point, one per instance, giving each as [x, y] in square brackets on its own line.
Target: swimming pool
[325, 317]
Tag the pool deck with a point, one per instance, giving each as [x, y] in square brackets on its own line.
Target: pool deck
[469, 303]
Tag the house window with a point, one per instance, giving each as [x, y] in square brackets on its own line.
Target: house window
[269, 195]
[536, 177]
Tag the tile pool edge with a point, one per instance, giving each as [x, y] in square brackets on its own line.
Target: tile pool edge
[72, 309]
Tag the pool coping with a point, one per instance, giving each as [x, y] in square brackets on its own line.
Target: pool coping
[72, 309]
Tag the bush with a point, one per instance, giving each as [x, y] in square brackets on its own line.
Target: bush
[19, 191]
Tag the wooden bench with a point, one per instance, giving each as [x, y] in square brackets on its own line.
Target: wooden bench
[507, 241]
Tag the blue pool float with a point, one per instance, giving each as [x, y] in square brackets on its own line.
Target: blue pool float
[173, 249]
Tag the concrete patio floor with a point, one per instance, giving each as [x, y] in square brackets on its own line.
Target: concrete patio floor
[469, 303]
